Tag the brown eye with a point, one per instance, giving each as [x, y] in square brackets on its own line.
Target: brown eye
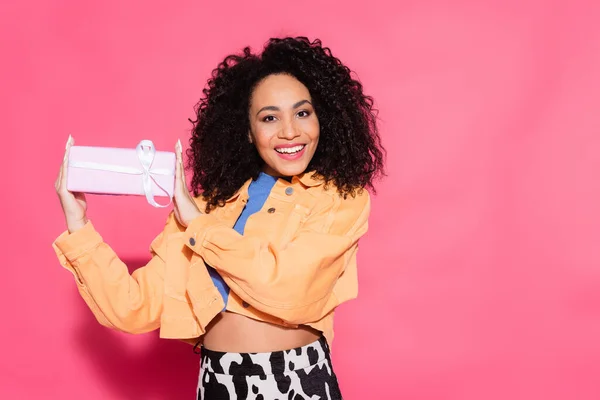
[268, 118]
[303, 114]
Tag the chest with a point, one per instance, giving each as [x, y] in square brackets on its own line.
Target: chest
[280, 217]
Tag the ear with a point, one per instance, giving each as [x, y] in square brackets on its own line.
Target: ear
[250, 136]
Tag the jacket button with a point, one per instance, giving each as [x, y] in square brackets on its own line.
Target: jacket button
[192, 241]
[289, 191]
[271, 210]
[245, 305]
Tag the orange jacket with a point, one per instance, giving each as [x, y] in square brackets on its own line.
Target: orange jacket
[294, 264]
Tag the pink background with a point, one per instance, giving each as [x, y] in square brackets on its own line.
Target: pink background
[480, 277]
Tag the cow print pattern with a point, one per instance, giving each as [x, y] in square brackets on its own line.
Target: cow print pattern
[297, 374]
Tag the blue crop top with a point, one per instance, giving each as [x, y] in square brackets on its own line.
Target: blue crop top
[258, 191]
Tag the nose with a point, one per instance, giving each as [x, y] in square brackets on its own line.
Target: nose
[289, 131]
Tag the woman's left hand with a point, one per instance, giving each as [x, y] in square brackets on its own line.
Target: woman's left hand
[185, 207]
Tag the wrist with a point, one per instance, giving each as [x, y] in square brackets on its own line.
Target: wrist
[74, 226]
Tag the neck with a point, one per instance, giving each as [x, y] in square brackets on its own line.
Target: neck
[271, 172]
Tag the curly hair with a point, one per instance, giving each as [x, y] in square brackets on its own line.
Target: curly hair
[349, 155]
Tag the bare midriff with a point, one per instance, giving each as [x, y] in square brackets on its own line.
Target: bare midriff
[235, 333]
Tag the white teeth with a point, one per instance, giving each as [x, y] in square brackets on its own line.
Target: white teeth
[290, 150]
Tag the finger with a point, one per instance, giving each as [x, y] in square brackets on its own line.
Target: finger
[62, 173]
[63, 180]
[182, 175]
[62, 164]
[180, 169]
[58, 178]
[177, 169]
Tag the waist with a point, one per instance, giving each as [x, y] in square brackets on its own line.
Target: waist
[231, 332]
[260, 363]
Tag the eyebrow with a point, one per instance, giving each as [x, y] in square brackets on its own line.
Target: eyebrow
[275, 108]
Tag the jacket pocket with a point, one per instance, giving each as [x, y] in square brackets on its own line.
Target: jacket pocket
[298, 215]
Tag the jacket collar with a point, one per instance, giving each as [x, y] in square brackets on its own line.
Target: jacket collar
[308, 179]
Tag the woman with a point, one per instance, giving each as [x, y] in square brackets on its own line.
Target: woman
[252, 266]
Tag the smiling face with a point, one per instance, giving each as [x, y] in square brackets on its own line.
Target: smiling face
[283, 125]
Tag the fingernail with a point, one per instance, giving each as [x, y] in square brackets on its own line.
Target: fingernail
[68, 142]
[179, 145]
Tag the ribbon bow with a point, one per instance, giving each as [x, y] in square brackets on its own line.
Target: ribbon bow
[145, 152]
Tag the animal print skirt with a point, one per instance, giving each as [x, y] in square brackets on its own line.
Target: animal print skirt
[301, 373]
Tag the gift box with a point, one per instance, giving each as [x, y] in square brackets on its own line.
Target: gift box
[122, 171]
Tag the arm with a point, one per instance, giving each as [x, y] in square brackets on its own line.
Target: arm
[129, 303]
[294, 281]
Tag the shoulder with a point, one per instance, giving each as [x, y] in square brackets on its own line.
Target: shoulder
[341, 214]
[328, 192]
[359, 199]
[200, 202]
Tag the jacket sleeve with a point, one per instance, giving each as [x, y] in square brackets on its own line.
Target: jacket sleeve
[129, 303]
[293, 281]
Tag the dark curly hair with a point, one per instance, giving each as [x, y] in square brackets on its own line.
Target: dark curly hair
[349, 154]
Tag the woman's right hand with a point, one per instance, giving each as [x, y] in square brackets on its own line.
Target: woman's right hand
[74, 205]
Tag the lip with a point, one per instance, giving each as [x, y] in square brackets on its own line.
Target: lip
[291, 157]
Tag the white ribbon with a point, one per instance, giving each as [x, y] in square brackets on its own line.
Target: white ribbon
[145, 151]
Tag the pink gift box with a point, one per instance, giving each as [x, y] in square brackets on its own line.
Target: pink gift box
[118, 171]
